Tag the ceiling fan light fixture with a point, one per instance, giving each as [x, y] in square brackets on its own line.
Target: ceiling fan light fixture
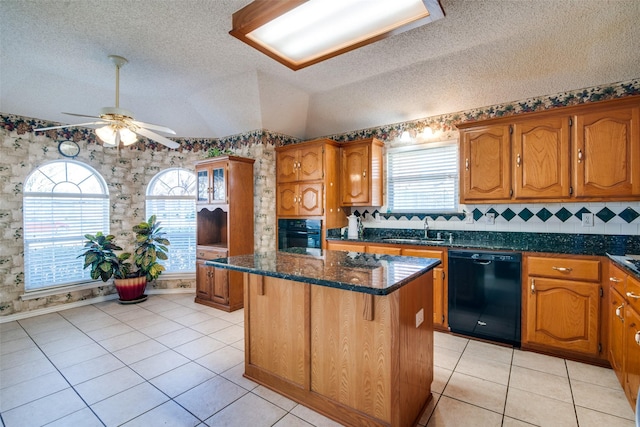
[109, 134]
[299, 33]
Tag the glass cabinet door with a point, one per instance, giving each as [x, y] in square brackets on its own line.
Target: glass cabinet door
[203, 186]
[219, 186]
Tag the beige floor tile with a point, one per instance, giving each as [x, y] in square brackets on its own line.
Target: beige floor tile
[235, 375]
[137, 352]
[178, 311]
[210, 326]
[590, 418]
[312, 417]
[193, 318]
[116, 309]
[65, 344]
[99, 322]
[179, 337]
[489, 351]
[182, 379]
[539, 410]
[540, 362]
[290, 420]
[110, 331]
[238, 344]
[45, 322]
[451, 412]
[34, 389]
[12, 346]
[249, 410]
[541, 383]
[234, 317]
[25, 372]
[77, 355]
[229, 335]
[159, 305]
[57, 334]
[512, 422]
[603, 399]
[476, 391]
[129, 404]
[123, 341]
[208, 398]
[142, 322]
[220, 360]
[440, 378]
[107, 385]
[92, 368]
[44, 410]
[604, 377]
[21, 357]
[199, 347]
[9, 326]
[82, 418]
[159, 364]
[446, 358]
[449, 341]
[11, 334]
[161, 328]
[484, 368]
[275, 398]
[168, 414]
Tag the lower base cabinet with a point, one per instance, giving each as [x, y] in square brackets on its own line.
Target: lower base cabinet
[216, 287]
[631, 362]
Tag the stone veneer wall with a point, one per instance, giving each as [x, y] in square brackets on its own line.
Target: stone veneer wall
[128, 172]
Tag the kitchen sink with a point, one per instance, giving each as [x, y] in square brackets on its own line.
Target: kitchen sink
[416, 241]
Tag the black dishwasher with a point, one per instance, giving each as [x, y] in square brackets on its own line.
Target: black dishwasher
[485, 294]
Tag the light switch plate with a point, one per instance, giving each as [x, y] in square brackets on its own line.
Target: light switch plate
[587, 219]
[419, 317]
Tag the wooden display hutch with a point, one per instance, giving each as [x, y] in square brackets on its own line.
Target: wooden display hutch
[224, 227]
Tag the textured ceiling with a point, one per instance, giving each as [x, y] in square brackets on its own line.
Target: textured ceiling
[186, 72]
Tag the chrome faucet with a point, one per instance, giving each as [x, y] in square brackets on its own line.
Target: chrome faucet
[426, 227]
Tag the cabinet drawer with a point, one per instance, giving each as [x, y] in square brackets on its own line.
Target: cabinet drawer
[424, 253]
[633, 293]
[617, 279]
[564, 268]
[388, 250]
[208, 252]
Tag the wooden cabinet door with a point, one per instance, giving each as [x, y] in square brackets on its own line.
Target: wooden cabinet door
[616, 332]
[485, 163]
[204, 185]
[606, 153]
[541, 158]
[219, 285]
[355, 174]
[563, 314]
[311, 165]
[287, 166]
[287, 199]
[203, 280]
[632, 353]
[440, 288]
[310, 200]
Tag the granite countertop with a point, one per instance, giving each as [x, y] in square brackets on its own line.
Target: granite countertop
[632, 266]
[354, 271]
[575, 244]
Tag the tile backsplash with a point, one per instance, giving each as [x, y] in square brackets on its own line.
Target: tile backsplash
[615, 218]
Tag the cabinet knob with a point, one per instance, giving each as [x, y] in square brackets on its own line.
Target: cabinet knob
[579, 155]
[563, 269]
[632, 295]
[466, 164]
[518, 160]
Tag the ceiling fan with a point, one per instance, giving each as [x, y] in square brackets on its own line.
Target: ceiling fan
[119, 125]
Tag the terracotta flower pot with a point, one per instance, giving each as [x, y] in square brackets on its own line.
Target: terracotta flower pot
[131, 289]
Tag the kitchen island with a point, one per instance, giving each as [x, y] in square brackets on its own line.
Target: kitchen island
[348, 334]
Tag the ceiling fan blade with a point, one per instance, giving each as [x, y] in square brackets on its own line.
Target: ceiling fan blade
[153, 127]
[69, 126]
[158, 138]
[82, 115]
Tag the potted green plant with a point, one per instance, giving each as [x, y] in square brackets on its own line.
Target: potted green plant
[150, 245]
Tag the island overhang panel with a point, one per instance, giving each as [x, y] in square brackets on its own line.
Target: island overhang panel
[347, 334]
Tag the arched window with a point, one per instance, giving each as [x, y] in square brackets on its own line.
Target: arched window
[171, 196]
[63, 200]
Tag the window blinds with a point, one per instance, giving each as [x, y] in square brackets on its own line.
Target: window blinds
[423, 178]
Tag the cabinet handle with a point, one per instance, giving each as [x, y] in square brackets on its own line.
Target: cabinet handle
[466, 164]
[533, 286]
[619, 312]
[295, 199]
[518, 161]
[579, 155]
[300, 199]
[563, 269]
[632, 295]
[637, 337]
[615, 279]
[364, 173]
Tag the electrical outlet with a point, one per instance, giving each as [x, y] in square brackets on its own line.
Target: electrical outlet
[587, 220]
[469, 218]
[490, 217]
[419, 317]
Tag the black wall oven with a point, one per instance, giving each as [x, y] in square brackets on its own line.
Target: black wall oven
[299, 233]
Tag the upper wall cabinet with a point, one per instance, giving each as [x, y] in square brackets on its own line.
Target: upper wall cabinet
[300, 164]
[361, 173]
[590, 152]
[607, 152]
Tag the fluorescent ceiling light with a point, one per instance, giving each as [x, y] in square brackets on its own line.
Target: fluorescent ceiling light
[299, 33]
